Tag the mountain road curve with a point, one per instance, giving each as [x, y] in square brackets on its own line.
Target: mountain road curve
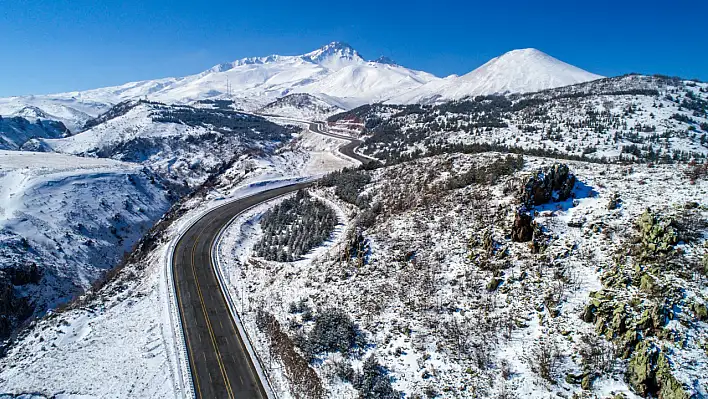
[347, 149]
[220, 364]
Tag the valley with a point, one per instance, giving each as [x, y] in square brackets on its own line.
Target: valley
[528, 229]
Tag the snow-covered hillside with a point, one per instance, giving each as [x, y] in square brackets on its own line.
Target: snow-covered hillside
[335, 73]
[64, 220]
[16, 131]
[518, 71]
[629, 118]
[72, 111]
[180, 142]
[300, 106]
[122, 333]
[452, 306]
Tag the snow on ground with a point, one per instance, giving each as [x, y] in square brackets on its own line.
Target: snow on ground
[69, 110]
[120, 342]
[335, 73]
[309, 154]
[517, 71]
[245, 276]
[421, 298]
[73, 217]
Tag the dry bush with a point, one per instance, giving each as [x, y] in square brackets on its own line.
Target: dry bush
[544, 359]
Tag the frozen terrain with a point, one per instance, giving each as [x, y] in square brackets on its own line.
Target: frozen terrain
[123, 333]
[422, 295]
[518, 71]
[67, 220]
[335, 73]
[629, 118]
[182, 143]
[16, 131]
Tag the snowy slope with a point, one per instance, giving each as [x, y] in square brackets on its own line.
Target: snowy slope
[180, 142]
[336, 71]
[632, 118]
[119, 342]
[72, 111]
[16, 131]
[518, 71]
[300, 106]
[71, 217]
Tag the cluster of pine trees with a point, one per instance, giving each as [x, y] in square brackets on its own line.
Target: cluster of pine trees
[294, 227]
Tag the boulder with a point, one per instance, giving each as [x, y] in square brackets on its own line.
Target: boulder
[522, 229]
[493, 284]
[640, 370]
[669, 386]
[700, 311]
[554, 183]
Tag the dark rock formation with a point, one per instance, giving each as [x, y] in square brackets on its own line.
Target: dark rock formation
[522, 229]
[554, 183]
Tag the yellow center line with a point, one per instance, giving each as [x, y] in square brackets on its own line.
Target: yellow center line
[209, 327]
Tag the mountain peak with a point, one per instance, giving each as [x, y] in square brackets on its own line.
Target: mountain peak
[526, 55]
[523, 70]
[333, 51]
[385, 60]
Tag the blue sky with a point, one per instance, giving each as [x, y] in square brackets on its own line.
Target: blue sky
[56, 45]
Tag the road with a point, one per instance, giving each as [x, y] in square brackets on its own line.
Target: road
[219, 361]
[347, 149]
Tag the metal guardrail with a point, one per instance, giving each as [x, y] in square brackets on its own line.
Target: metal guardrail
[256, 360]
[186, 383]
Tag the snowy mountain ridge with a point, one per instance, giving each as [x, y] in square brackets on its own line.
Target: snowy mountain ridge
[335, 73]
[517, 71]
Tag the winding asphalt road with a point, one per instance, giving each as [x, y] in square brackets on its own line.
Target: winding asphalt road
[347, 149]
[219, 361]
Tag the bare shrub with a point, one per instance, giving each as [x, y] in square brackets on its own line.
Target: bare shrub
[597, 355]
[544, 359]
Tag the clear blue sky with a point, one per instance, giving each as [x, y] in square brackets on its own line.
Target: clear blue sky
[56, 45]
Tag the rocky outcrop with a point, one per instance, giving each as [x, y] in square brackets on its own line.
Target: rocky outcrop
[522, 229]
[614, 202]
[658, 235]
[13, 308]
[649, 373]
[554, 183]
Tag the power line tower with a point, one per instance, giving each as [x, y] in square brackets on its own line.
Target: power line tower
[228, 88]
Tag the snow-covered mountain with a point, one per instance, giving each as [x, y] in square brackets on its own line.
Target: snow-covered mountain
[16, 131]
[176, 141]
[64, 220]
[335, 73]
[72, 111]
[300, 106]
[518, 71]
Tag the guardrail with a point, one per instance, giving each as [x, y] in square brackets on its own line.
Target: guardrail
[248, 342]
[186, 383]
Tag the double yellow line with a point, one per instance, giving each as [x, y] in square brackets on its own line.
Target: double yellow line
[209, 327]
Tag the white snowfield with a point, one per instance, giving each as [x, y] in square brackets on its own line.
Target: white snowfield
[336, 74]
[124, 345]
[136, 123]
[410, 341]
[518, 71]
[73, 217]
[300, 106]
